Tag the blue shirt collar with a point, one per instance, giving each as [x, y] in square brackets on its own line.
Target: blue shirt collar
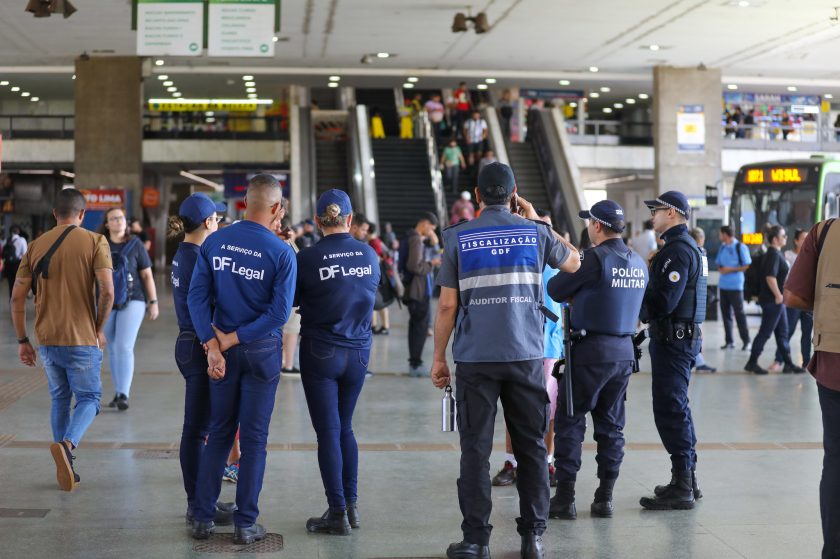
[337, 237]
[497, 208]
[675, 231]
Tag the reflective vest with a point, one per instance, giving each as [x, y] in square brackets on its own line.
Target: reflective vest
[611, 306]
[692, 305]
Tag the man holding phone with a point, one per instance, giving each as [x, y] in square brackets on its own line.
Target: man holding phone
[491, 286]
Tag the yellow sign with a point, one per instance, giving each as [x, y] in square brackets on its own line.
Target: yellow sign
[752, 238]
[173, 106]
[778, 175]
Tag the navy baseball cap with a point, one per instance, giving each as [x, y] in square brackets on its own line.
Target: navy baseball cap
[493, 176]
[607, 213]
[671, 199]
[337, 197]
[198, 207]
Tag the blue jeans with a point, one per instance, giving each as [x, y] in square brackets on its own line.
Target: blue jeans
[121, 332]
[773, 322]
[72, 371]
[192, 362]
[332, 381]
[806, 323]
[243, 398]
[830, 482]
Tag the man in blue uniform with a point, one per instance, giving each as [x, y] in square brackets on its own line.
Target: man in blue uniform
[606, 296]
[674, 306]
[491, 294]
[248, 274]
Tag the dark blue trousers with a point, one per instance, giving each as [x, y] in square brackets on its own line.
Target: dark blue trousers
[830, 482]
[332, 381]
[192, 362]
[806, 325]
[672, 363]
[244, 398]
[773, 322]
[600, 389]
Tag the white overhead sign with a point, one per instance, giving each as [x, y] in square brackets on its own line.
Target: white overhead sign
[241, 28]
[170, 27]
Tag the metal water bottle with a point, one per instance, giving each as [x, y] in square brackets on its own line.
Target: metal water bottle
[449, 412]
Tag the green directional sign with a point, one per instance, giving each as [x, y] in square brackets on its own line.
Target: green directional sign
[169, 27]
[241, 28]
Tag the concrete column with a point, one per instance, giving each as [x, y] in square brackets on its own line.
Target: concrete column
[688, 172]
[108, 129]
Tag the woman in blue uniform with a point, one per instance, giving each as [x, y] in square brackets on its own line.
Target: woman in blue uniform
[196, 220]
[336, 288]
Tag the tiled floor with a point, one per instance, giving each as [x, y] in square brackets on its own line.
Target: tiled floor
[759, 467]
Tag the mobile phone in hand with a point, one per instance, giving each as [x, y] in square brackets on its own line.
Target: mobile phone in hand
[514, 205]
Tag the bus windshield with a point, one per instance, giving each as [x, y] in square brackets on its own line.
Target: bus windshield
[754, 208]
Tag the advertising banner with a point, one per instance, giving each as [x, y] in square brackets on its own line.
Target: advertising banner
[691, 129]
[241, 28]
[104, 199]
[170, 27]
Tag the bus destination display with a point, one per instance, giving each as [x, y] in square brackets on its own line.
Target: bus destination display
[789, 175]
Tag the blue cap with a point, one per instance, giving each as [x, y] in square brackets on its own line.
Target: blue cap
[671, 199]
[337, 197]
[607, 213]
[493, 176]
[198, 207]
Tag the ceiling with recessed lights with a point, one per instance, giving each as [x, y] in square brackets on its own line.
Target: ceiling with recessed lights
[759, 45]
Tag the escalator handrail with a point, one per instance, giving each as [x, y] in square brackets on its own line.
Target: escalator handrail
[436, 178]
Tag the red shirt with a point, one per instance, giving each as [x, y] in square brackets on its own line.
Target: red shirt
[462, 100]
[824, 365]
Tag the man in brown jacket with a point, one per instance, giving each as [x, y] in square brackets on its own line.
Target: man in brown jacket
[65, 265]
[419, 290]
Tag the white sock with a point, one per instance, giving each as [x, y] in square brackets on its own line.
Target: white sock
[511, 459]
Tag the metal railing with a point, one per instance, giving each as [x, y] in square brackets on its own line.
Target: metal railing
[806, 135]
[434, 167]
[54, 127]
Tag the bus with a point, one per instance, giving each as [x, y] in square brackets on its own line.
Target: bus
[794, 193]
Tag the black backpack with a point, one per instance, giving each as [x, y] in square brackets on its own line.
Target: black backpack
[10, 253]
[753, 277]
[405, 275]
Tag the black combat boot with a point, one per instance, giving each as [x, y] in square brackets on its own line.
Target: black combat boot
[602, 506]
[334, 522]
[202, 530]
[562, 505]
[694, 487]
[246, 535]
[466, 550]
[532, 547]
[353, 515]
[678, 495]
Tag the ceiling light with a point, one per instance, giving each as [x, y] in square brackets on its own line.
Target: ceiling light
[630, 101]
[643, 96]
[171, 89]
[15, 88]
[791, 88]
[594, 94]
[654, 47]
[74, 77]
[251, 89]
[593, 69]
[573, 105]
[605, 89]
[408, 85]
[275, 39]
[337, 78]
[163, 77]
[252, 96]
[565, 82]
[490, 80]
[332, 84]
[383, 55]
[828, 96]
[607, 110]
[168, 83]
[732, 87]
[619, 105]
[743, 4]
[176, 94]
[159, 62]
[250, 84]
[24, 94]
[35, 99]
[413, 79]
[481, 86]
[209, 113]
[4, 83]
[247, 78]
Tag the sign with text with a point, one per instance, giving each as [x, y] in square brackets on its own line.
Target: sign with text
[691, 129]
[170, 27]
[241, 28]
[176, 105]
[104, 199]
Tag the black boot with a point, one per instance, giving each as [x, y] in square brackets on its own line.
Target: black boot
[334, 522]
[246, 535]
[678, 495]
[532, 547]
[562, 505]
[753, 367]
[353, 515]
[466, 550]
[222, 517]
[602, 506]
[202, 530]
[694, 487]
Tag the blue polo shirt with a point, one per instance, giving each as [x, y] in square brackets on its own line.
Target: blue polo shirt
[182, 269]
[728, 256]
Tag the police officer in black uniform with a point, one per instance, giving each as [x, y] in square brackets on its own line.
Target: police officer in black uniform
[606, 294]
[674, 307]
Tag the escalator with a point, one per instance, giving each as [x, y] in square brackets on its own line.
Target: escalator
[331, 165]
[530, 183]
[403, 184]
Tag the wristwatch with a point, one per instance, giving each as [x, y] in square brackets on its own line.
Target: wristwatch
[23, 340]
[153, 302]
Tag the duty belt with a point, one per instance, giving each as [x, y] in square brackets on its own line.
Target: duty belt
[664, 330]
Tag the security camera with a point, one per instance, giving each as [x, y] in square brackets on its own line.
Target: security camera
[479, 23]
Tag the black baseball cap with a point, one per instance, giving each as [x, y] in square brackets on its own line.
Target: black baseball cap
[671, 199]
[496, 180]
[607, 213]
